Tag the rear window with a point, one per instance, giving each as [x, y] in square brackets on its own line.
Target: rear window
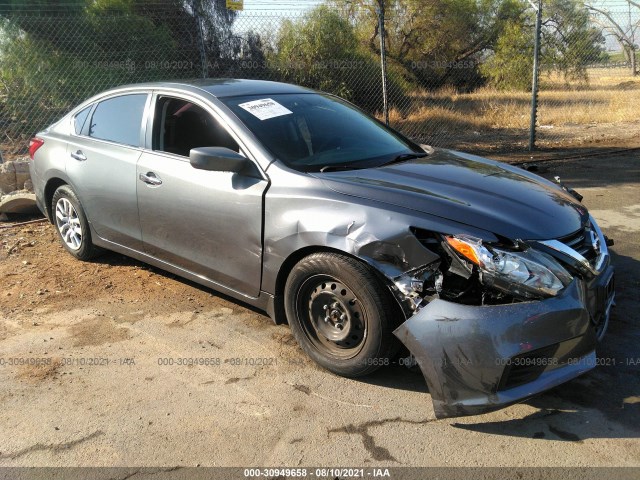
[119, 119]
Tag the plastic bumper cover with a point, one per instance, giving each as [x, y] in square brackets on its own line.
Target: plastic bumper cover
[476, 359]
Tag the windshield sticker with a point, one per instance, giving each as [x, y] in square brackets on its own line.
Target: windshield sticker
[265, 109]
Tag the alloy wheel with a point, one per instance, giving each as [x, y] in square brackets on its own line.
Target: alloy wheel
[68, 224]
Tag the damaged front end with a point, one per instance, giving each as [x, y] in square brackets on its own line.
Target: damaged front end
[492, 324]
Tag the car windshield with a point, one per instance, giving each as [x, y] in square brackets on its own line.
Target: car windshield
[314, 132]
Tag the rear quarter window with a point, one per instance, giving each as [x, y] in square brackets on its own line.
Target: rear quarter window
[119, 119]
[80, 118]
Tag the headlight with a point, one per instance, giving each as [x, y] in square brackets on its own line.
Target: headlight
[526, 273]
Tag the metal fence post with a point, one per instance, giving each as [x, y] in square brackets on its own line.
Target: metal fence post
[383, 61]
[534, 86]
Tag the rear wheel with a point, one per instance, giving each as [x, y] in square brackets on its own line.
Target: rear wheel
[71, 224]
[341, 314]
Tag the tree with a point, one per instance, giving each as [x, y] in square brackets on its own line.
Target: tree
[51, 61]
[511, 64]
[221, 45]
[443, 41]
[569, 43]
[626, 39]
[438, 41]
[569, 40]
[321, 51]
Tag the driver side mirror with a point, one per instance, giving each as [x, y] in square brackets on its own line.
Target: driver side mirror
[218, 159]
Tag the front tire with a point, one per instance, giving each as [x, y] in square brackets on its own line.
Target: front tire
[341, 314]
[71, 224]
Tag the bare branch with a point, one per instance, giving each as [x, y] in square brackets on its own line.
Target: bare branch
[635, 4]
[614, 24]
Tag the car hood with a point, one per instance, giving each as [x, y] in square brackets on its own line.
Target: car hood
[496, 197]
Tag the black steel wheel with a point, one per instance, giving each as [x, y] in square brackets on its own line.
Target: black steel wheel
[341, 314]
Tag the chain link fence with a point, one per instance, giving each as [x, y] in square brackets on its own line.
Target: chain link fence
[438, 93]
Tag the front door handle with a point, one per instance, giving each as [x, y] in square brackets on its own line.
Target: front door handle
[81, 157]
[150, 178]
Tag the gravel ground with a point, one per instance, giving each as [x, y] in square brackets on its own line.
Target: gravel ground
[90, 371]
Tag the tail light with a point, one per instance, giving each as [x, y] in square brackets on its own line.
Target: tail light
[34, 145]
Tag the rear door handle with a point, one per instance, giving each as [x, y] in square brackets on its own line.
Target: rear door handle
[81, 157]
[150, 178]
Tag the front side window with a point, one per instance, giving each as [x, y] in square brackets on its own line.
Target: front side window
[119, 119]
[180, 125]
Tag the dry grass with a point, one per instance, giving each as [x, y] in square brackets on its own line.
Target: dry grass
[609, 97]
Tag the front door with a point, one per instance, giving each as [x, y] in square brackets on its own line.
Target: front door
[208, 223]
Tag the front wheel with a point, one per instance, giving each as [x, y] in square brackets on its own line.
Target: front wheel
[341, 314]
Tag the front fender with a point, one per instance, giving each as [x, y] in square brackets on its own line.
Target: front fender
[379, 236]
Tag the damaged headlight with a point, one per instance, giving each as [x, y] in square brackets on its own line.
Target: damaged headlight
[526, 273]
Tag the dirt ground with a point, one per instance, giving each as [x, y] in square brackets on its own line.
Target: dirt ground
[113, 363]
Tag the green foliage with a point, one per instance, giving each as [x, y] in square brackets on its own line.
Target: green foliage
[115, 32]
[48, 63]
[568, 44]
[322, 51]
[29, 7]
[511, 65]
[458, 42]
[49, 82]
[437, 42]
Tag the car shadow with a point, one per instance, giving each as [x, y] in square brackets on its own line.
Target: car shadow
[114, 259]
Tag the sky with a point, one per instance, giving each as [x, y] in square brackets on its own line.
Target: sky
[627, 17]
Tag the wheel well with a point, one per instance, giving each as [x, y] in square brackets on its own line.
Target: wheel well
[295, 257]
[52, 185]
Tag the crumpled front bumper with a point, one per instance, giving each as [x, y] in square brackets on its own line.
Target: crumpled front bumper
[476, 359]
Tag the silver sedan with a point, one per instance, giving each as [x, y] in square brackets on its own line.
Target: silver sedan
[374, 249]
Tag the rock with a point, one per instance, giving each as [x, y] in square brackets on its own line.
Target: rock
[28, 185]
[7, 178]
[14, 175]
[22, 172]
[3, 217]
[19, 202]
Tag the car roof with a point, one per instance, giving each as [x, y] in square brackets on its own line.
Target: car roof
[228, 87]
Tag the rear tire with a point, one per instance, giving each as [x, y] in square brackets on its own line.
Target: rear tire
[71, 224]
[341, 314]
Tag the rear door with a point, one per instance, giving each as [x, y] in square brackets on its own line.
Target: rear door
[208, 223]
[103, 154]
